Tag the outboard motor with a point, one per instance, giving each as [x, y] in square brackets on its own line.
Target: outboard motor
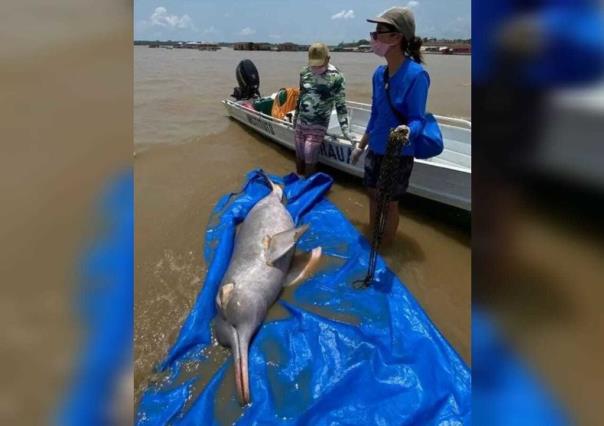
[248, 80]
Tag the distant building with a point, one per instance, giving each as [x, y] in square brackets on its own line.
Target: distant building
[288, 47]
[462, 50]
[447, 47]
[243, 46]
[252, 46]
[208, 46]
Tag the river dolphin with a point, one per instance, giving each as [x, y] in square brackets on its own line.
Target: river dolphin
[259, 268]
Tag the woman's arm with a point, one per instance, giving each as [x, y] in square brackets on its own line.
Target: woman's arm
[416, 101]
[340, 104]
[364, 141]
[362, 144]
[374, 112]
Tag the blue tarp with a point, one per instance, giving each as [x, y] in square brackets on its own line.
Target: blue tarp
[505, 390]
[104, 300]
[341, 356]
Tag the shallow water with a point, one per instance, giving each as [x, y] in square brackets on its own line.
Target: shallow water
[189, 153]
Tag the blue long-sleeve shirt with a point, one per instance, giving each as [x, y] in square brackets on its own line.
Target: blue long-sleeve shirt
[409, 94]
[572, 34]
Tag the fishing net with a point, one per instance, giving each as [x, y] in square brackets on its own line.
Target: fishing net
[385, 187]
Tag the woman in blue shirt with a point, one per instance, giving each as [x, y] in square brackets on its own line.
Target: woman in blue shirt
[395, 40]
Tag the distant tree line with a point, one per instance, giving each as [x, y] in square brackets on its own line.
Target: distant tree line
[353, 44]
[157, 42]
[447, 40]
[431, 40]
[425, 40]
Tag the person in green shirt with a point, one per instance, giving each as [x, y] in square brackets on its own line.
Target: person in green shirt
[322, 86]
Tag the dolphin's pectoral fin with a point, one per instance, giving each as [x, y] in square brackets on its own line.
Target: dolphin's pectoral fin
[280, 244]
[224, 295]
[302, 270]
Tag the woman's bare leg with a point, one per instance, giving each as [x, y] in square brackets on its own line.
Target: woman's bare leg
[392, 219]
[300, 166]
[310, 169]
[372, 194]
[392, 216]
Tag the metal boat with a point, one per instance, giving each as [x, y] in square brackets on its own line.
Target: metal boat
[445, 178]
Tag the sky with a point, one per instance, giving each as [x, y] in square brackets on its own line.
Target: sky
[278, 21]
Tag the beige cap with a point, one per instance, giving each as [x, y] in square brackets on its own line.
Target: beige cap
[400, 18]
[317, 54]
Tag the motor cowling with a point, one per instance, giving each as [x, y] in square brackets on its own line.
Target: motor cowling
[248, 80]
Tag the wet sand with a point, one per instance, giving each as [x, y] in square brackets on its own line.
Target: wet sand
[189, 153]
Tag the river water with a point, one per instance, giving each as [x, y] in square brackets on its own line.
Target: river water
[189, 153]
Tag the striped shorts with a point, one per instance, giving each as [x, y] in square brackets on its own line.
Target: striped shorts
[309, 138]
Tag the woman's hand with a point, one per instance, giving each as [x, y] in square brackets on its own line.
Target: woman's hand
[356, 155]
[404, 131]
[358, 149]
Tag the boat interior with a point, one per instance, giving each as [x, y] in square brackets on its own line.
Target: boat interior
[457, 134]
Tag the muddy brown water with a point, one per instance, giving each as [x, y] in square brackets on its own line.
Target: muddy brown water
[189, 153]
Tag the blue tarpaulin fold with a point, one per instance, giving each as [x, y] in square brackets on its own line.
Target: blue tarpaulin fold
[339, 356]
[104, 300]
[505, 390]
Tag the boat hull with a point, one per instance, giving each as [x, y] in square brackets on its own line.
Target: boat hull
[448, 183]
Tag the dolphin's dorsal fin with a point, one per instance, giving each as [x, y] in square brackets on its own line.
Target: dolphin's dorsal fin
[303, 268]
[280, 244]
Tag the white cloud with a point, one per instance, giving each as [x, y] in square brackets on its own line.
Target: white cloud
[344, 14]
[161, 18]
[247, 31]
[413, 4]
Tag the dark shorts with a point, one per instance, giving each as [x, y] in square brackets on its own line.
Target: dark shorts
[373, 164]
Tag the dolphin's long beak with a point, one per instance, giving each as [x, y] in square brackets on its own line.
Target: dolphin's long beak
[240, 354]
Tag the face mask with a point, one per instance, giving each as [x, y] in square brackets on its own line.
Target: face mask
[318, 70]
[380, 48]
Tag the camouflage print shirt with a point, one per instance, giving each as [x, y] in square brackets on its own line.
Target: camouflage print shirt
[318, 95]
